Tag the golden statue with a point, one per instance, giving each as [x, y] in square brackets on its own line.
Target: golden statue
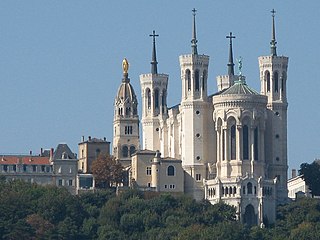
[125, 65]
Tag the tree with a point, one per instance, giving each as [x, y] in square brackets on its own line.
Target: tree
[311, 174]
[107, 171]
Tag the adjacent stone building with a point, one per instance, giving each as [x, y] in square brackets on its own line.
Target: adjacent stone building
[89, 150]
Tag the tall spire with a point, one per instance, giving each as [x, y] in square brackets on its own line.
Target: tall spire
[230, 63]
[273, 40]
[194, 37]
[154, 62]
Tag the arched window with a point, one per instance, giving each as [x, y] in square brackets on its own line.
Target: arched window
[124, 151]
[222, 190]
[276, 81]
[204, 77]
[164, 94]
[245, 142]
[149, 98]
[255, 144]
[230, 190]
[132, 150]
[170, 171]
[188, 79]
[267, 79]
[163, 100]
[197, 80]
[233, 142]
[249, 187]
[234, 190]
[284, 78]
[156, 98]
[226, 191]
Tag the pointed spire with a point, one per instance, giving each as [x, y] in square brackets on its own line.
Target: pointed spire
[154, 62]
[273, 40]
[230, 63]
[194, 34]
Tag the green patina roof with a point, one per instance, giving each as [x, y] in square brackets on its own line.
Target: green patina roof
[240, 87]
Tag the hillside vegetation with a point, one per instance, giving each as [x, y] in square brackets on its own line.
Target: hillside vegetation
[29, 211]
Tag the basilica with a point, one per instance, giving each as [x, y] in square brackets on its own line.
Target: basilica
[228, 146]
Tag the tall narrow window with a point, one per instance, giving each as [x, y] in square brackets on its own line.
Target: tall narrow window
[132, 150]
[284, 77]
[148, 171]
[249, 187]
[170, 171]
[267, 75]
[204, 77]
[256, 142]
[245, 142]
[156, 98]
[223, 145]
[163, 100]
[125, 151]
[149, 98]
[276, 82]
[188, 79]
[197, 80]
[233, 141]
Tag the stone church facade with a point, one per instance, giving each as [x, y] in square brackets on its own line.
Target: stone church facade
[232, 145]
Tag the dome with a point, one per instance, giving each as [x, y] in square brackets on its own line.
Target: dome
[126, 93]
[240, 87]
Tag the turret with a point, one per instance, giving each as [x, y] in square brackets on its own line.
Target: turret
[194, 70]
[154, 101]
[126, 119]
[273, 78]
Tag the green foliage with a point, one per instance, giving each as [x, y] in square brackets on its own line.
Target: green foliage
[311, 174]
[107, 171]
[36, 212]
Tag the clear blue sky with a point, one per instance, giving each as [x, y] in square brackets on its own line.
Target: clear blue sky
[60, 62]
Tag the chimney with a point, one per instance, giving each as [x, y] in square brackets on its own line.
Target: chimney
[82, 138]
[41, 152]
[89, 138]
[105, 139]
[51, 154]
[293, 173]
[30, 152]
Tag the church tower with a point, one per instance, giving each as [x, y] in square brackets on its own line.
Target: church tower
[226, 81]
[273, 77]
[154, 103]
[195, 117]
[126, 120]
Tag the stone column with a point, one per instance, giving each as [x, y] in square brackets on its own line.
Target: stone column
[239, 142]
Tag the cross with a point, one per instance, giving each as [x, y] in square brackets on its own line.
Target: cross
[230, 37]
[273, 12]
[154, 35]
[194, 11]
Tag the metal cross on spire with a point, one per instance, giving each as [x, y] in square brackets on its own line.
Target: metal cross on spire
[194, 34]
[273, 42]
[154, 62]
[230, 63]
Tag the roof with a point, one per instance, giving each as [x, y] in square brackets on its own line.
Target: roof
[28, 160]
[240, 87]
[126, 92]
[63, 152]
